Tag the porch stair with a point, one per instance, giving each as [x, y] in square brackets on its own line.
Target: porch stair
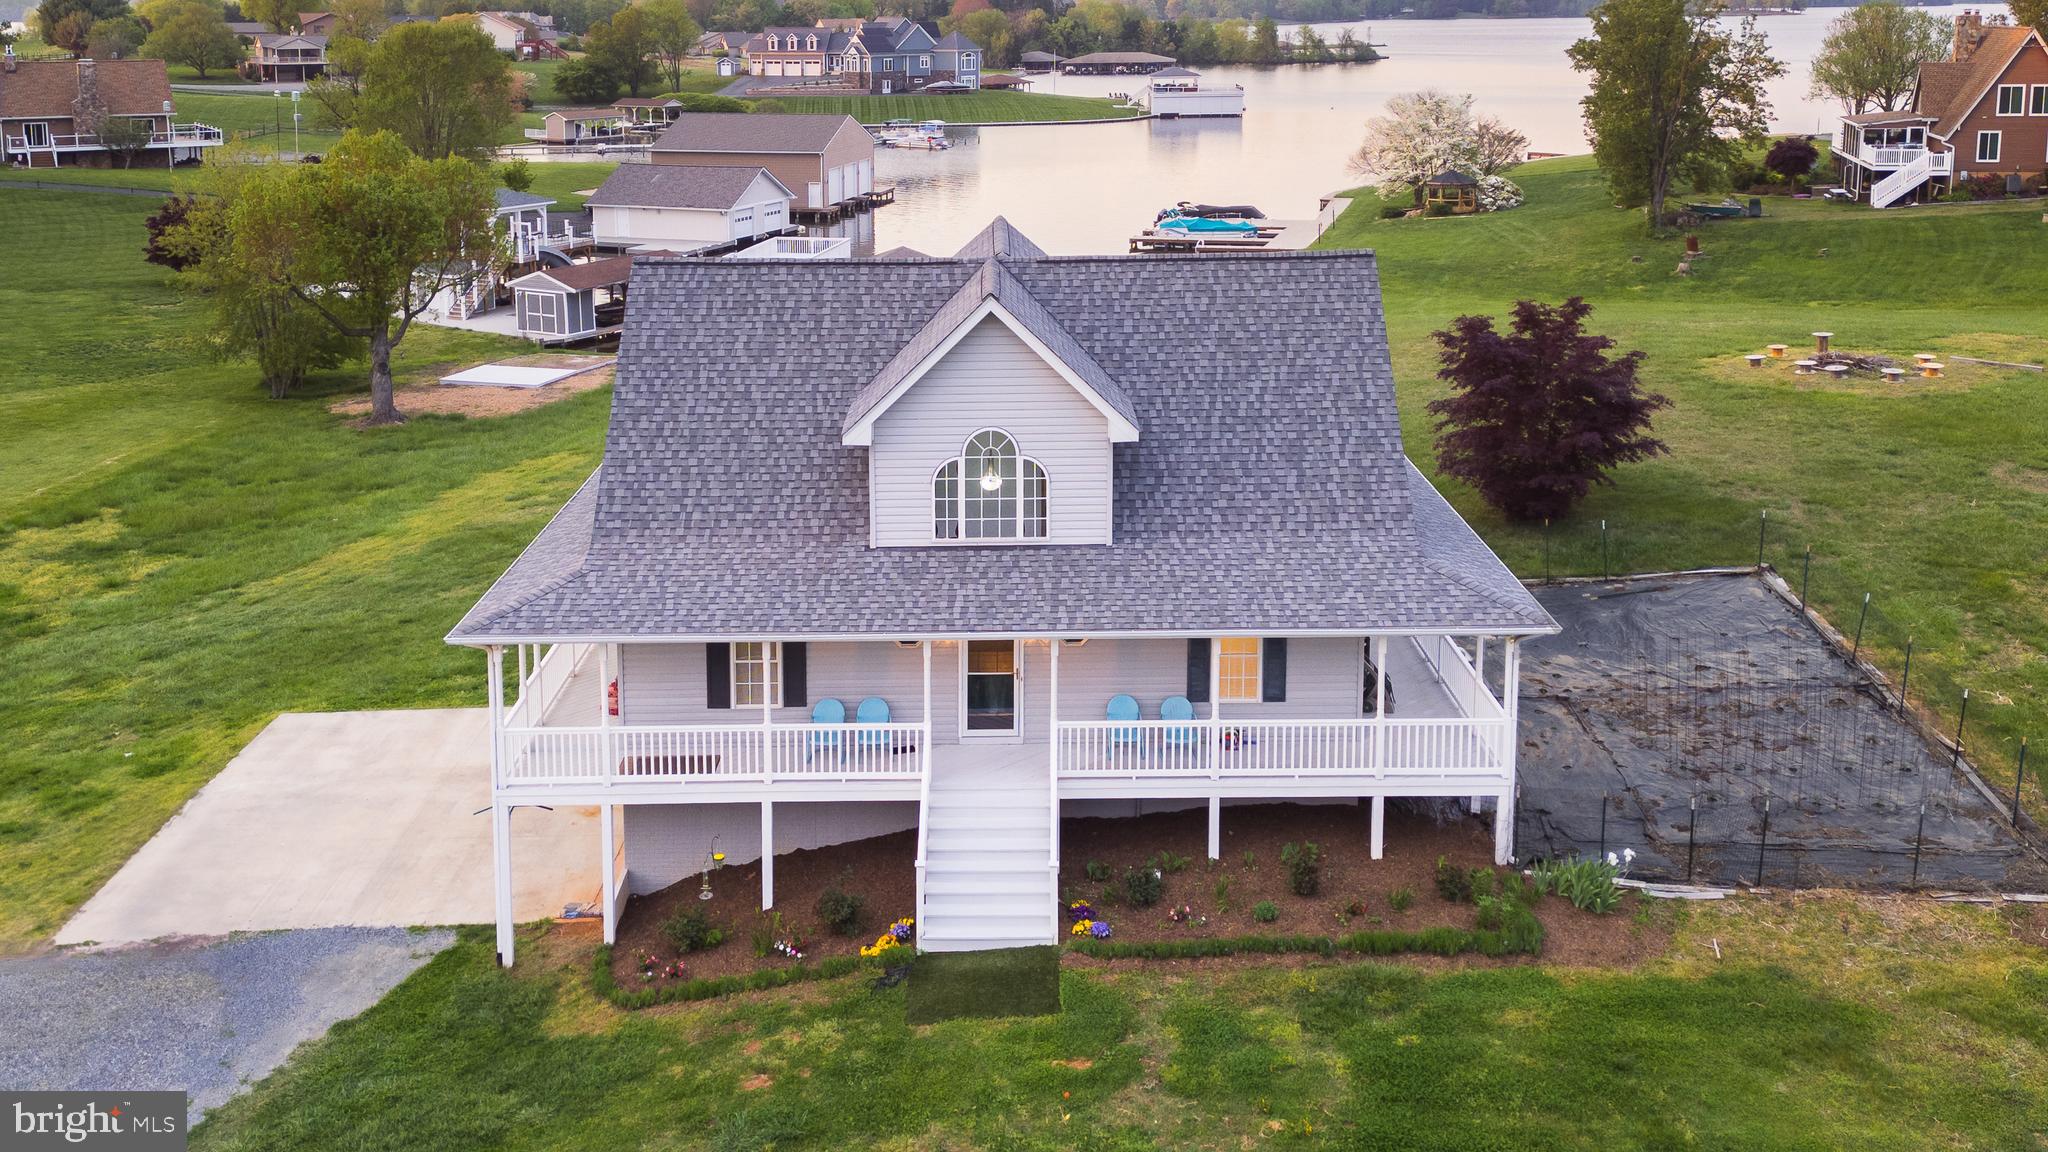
[1901, 183]
[988, 843]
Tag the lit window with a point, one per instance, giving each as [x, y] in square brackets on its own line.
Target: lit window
[989, 492]
[1987, 147]
[753, 674]
[1238, 669]
[2012, 99]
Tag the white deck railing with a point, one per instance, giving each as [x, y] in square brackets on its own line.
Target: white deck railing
[180, 136]
[1199, 748]
[737, 753]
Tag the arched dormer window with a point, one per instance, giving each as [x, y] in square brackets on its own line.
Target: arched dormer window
[810, 43]
[772, 42]
[991, 491]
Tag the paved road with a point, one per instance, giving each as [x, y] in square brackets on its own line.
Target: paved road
[205, 1018]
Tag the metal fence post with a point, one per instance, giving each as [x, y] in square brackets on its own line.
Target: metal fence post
[1692, 829]
[1603, 550]
[2017, 776]
[1961, 713]
[1546, 547]
[1906, 677]
[1762, 841]
[1805, 570]
[1919, 841]
[1763, 525]
[1603, 826]
[1856, 651]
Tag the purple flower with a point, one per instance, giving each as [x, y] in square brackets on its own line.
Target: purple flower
[1099, 929]
[1080, 910]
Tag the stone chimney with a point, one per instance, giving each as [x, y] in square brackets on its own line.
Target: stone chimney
[1969, 34]
[88, 111]
[7, 59]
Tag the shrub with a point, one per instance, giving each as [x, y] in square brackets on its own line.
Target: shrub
[1222, 895]
[1097, 871]
[690, 931]
[707, 102]
[840, 910]
[1498, 194]
[1265, 912]
[1452, 882]
[1169, 863]
[1437, 209]
[1400, 899]
[1744, 175]
[1393, 211]
[1484, 882]
[1143, 886]
[1304, 864]
[1539, 414]
[516, 174]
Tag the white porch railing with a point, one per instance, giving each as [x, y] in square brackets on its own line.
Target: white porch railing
[738, 753]
[180, 136]
[1892, 155]
[1374, 748]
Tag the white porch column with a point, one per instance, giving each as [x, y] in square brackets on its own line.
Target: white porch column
[1511, 699]
[1215, 827]
[771, 681]
[1052, 739]
[608, 870]
[1479, 693]
[501, 815]
[604, 713]
[1215, 706]
[1376, 647]
[767, 854]
[1379, 827]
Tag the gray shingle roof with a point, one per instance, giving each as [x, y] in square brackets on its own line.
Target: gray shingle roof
[507, 198]
[675, 186]
[751, 132]
[1269, 492]
[955, 42]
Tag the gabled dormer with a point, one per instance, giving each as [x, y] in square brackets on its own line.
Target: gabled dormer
[992, 425]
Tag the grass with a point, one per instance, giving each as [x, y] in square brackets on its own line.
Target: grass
[1001, 982]
[964, 108]
[1928, 495]
[1894, 1024]
[698, 76]
[262, 117]
[182, 558]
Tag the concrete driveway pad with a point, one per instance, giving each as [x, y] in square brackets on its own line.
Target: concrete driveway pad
[343, 819]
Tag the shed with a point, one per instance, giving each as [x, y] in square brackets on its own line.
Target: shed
[557, 305]
[1454, 189]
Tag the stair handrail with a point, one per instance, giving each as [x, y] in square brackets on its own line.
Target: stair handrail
[924, 819]
[1892, 188]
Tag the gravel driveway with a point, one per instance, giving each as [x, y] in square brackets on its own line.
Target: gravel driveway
[205, 1018]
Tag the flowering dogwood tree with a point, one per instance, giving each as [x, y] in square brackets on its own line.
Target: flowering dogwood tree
[1424, 133]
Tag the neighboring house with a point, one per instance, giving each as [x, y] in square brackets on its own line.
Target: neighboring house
[527, 35]
[523, 219]
[958, 59]
[827, 161]
[722, 43]
[884, 55]
[1050, 559]
[289, 56]
[687, 207]
[248, 29]
[317, 23]
[580, 126]
[1981, 112]
[52, 112]
[648, 109]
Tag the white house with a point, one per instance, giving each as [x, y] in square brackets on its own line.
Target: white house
[1060, 536]
[687, 206]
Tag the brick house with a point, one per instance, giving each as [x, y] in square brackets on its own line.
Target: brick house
[1981, 112]
[55, 112]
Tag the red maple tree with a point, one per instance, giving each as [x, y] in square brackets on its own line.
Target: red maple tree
[1540, 413]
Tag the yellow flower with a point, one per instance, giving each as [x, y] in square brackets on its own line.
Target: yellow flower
[1081, 927]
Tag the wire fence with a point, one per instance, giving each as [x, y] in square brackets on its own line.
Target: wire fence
[1910, 730]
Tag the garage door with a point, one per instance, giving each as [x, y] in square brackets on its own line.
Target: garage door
[838, 185]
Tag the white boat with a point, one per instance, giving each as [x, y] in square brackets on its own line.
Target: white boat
[929, 135]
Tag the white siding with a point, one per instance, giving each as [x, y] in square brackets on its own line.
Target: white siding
[664, 683]
[1325, 679]
[693, 226]
[990, 379]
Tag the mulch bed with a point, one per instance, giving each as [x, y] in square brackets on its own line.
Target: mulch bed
[1349, 877]
[880, 871]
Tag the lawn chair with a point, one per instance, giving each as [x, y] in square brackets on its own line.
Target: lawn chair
[873, 710]
[1178, 708]
[827, 711]
[1122, 707]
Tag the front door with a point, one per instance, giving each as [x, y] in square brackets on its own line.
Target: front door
[989, 692]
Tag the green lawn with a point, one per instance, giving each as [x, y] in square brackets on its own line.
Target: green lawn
[1829, 1024]
[964, 108]
[1932, 496]
[181, 558]
[697, 77]
[263, 117]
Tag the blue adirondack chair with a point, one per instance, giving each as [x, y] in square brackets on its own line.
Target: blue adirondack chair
[827, 711]
[873, 710]
[1123, 707]
[1178, 708]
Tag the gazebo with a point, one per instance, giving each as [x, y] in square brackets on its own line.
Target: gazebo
[1040, 61]
[1453, 189]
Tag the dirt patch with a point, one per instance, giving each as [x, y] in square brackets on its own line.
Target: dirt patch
[756, 1082]
[1355, 892]
[427, 396]
[2029, 923]
[879, 870]
[2022, 477]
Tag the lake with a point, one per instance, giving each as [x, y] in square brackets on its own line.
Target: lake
[1087, 188]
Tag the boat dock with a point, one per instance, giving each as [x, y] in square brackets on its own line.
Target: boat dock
[1272, 236]
[861, 202]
